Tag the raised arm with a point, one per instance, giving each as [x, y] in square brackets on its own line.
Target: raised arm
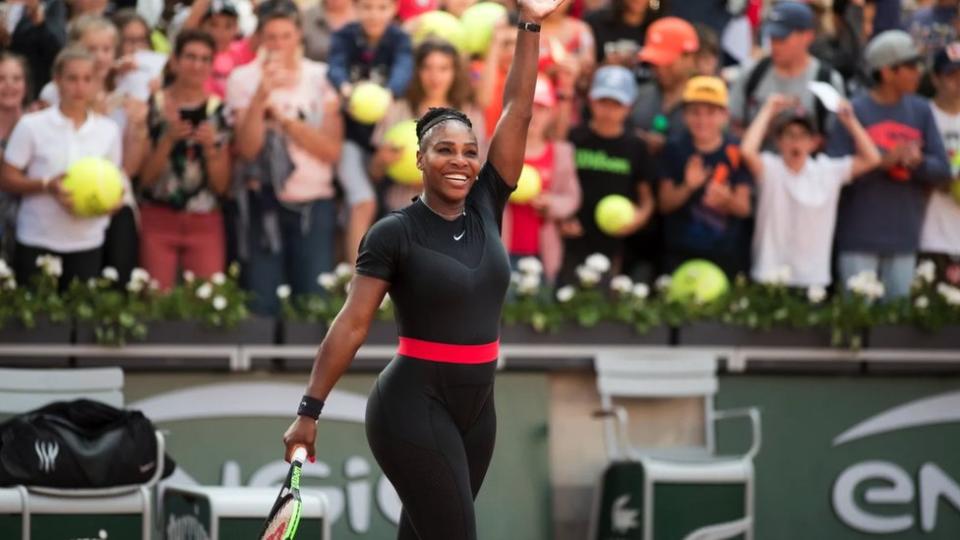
[867, 155]
[347, 333]
[752, 142]
[510, 137]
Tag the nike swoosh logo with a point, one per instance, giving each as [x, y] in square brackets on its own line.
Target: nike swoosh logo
[459, 236]
[147, 467]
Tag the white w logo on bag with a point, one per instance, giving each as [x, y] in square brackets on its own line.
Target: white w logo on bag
[47, 452]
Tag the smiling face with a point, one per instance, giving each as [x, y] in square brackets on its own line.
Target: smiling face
[450, 160]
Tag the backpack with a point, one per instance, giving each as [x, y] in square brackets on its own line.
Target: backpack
[760, 70]
[78, 444]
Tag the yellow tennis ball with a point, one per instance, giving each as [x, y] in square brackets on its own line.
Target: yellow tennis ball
[955, 190]
[95, 184]
[369, 103]
[441, 25]
[403, 135]
[478, 23]
[528, 185]
[699, 281]
[613, 213]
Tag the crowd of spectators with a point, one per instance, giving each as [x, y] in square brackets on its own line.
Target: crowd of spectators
[727, 123]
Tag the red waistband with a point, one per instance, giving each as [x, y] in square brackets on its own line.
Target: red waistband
[449, 352]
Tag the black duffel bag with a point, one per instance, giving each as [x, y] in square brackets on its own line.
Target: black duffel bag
[78, 444]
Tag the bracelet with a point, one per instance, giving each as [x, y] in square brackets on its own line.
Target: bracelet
[528, 26]
[310, 406]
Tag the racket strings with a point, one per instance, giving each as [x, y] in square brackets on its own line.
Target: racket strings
[278, 524]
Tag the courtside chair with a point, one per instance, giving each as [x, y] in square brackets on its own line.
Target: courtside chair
[670, 493]
[69, 513]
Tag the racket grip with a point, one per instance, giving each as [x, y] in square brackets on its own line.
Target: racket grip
[300, 454]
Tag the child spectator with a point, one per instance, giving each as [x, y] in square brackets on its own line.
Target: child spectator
[798, 192]
[940, 236]
[610, 161]
[41, 148]
[670, 47]
[372, 49]
[705, 190]
[187, 169]
[788, 70]
[290, 131]
[880, 216]
[532, 229]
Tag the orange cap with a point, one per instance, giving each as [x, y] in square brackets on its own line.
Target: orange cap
[667, 39]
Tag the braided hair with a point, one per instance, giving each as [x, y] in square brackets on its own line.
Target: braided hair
[436, 116]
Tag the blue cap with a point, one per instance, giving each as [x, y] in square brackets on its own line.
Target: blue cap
[614, 82]
[786, 18]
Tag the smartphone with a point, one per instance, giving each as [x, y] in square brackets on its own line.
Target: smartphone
[195, 115]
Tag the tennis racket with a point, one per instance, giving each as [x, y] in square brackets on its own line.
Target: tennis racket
[284, 517]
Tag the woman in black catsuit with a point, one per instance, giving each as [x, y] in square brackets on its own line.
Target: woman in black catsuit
[430, 417]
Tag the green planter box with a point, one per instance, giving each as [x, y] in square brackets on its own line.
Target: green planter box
[302, 333]
[910, 337]
[605, 332]
[728, 335]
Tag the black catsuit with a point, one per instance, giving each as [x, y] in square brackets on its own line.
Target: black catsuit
[431, 424]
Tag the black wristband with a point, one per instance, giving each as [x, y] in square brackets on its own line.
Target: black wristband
[528, 26]
[310, 406]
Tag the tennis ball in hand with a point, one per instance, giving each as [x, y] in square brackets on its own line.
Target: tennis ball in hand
[955, 190]
[478, 23]
[613, 213]
[528, 185]
[95, 184]
[698, 281]
[369, 103]
[403, 135]
[439, 25]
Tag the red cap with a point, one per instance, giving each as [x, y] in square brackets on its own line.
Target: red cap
[408, 9]
[543, 93]
[667, 39]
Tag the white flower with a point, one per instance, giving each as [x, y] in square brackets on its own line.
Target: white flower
[327, 280]
[385, 303]
[949, 293]
[744, 303]
[343, 270]
[283, 292]
[110, 273]
[663, 282]
[219, 303]
[141, 275]
[867, 285]
[218, 278]
[204, 291]
[621, 284]
[588, 276]
[4, 269]
[641, 291]
[530, 265]
[188, 276]
[91, 283]
[134, 286]
[51, 265]
[529, 283]
[514, 278]
[816, 294]
[598, 262]
[922, 302]
[565, 294]
[927, 271]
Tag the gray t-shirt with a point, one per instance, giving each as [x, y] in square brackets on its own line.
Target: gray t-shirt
[649, 105]
[772, 83]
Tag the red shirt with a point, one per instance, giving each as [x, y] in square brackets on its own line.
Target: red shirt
[525, 221]
[224, 62]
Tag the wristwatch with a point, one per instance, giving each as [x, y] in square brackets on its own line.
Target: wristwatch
[528, 26]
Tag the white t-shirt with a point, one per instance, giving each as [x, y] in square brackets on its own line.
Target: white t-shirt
[44, 144]
[796, 216]
[941, 226]
[312, 178]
